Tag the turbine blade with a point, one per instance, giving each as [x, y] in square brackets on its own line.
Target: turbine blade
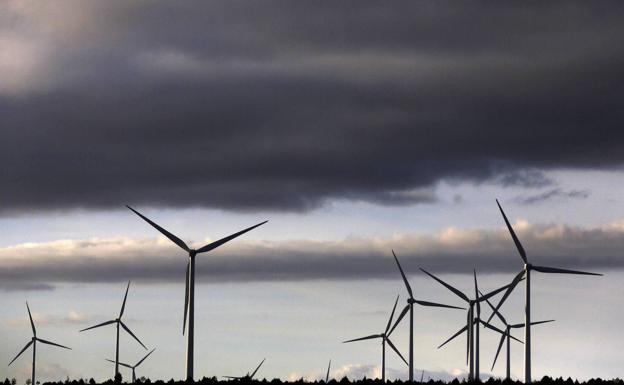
[327, 375]
[391, 315]
[451, 288]
[53, 344]
[500, 345]
[434, 304]
[123, 325]
[31, 320]
[513, 235]
[215, 244]
[494, 292]
[233, 377]
[372, 336]
[186, 296]
[546, 269]
[521, 325]
[254, 372]
[164, 232]
[454, 335]
[121, 363]
[21, 351]
[123, 305]
[396, 350]
[510, 288]
[399, 318]
[143, 359]
[494, 311]
[492, 327]
[98, 325]
[477, 293]
[407, 285]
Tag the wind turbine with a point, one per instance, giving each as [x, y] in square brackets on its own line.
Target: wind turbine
[385, 337]
[33, 342]
[526, 272]
[472, 359]
[118, 322]
[189, 298]
[410, 307]
[507, 336]
[247, 377]
[327, 375]
[135, 365]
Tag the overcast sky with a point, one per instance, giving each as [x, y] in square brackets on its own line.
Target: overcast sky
[354, 128]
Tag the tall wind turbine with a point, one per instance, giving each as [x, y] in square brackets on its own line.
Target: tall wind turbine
[526, 272]
[410, 307]
[385, 337]
[135, 365]
[327, 375]
[471, 359]
[506, 335]
[118, 322]
[247, 377]
[189, 298]
[33, 342]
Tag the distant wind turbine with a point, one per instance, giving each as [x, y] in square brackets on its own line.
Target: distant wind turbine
[189, 298]
[471, 358]
[385, 337]
[507, 336]
[118, 322]
[33, 342]
[526, 272]
[247, 377]
[135, 365]
[410, 307]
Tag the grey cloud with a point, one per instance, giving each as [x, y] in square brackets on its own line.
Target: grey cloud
[451, 251]
[556, 193]
[285, 105]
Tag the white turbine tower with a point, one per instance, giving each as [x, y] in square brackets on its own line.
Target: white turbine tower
[118, 322]
[135, 365]
[526, 272]
[385, 337]
[410, 307]
[33, 342]
[189, 298]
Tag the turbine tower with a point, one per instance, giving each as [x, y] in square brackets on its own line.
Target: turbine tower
[33, 342]
[118, 322]
[135, 365]
[526, 272]
[247, 377]
[385, 337]
[327, 375]
[189, 298]
[506, 335]
[471, 358]
[410, 307]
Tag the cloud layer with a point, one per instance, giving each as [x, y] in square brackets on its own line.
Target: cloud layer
[284, 105]
[450, 251]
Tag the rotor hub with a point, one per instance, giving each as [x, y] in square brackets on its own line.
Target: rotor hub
[192, 253]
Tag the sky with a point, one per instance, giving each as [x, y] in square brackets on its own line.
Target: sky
[354, 128]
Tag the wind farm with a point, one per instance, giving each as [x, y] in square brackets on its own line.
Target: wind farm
[300, 192]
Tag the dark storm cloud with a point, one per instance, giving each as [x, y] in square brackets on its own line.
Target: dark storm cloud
[555, 193]
[450, 251]
[283, 105]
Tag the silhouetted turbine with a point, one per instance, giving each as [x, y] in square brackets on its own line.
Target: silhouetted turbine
[189, 298]
[526, 272]
[471, 359]
[410, 307]
[385, 337]
[135, 365]
[33, 342]
[118, 322]
[247, 376]
[506, 335]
